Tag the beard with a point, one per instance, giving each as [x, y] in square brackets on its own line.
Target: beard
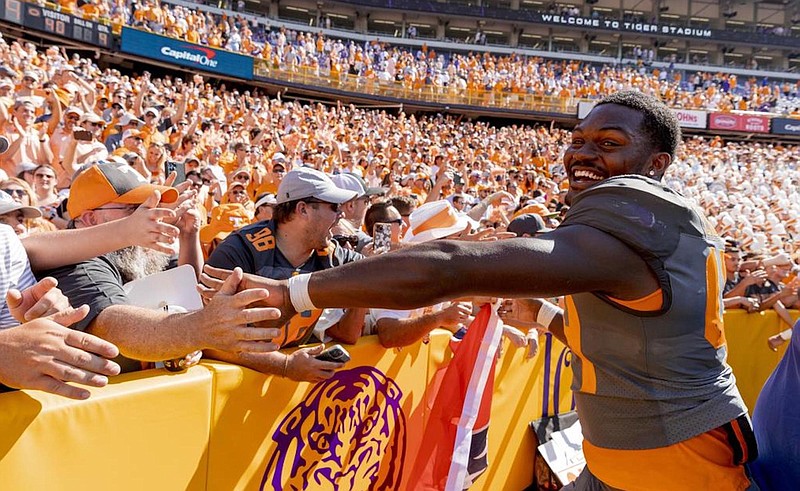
[136, 262]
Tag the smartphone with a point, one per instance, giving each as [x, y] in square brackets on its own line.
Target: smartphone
[382, 237]
[82, 135]
[178, 167]
[335, 353]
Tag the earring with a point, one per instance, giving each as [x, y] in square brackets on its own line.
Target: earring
[652, 172]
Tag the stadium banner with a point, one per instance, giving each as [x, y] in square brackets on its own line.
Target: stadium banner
[738, 122]
[691, 119]
[222, 426]
[785, 126]
[68, 26]
[12, 11]
[626, 26]
[190, 55]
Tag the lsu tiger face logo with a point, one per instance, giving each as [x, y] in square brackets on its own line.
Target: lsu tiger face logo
[349, 433]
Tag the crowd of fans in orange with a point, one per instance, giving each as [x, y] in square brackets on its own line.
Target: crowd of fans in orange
[62, 116]
[444, 73]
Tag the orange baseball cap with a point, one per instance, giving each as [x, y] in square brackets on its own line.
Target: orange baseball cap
[112, 182]
[537, 208]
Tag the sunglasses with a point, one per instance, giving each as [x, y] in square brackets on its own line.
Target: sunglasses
[398, 221]
[334, 206]
[15, 192]
[96, 125]
[44, 176]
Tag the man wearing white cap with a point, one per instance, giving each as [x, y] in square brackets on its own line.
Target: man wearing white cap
[295, 241]
[127, 122]
[353, 211]
[62, 134]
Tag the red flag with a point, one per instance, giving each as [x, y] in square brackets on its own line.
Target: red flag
[455, 446]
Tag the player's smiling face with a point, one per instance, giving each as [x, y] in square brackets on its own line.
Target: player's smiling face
[609, 142]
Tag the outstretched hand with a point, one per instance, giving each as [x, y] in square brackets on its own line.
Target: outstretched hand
[227, 317]
[43, 354]
[212, 279]
[148, 226]
[39, 300]
[521, 312]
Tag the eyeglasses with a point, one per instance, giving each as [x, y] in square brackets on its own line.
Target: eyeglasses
[334, 206]
[28, 79]
[44, 176]
[73, 118]
[238, 192]
[96, 125]
[197, 184]
[130, 208]
[15, 192]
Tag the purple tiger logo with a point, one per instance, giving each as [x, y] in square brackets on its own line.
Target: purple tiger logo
[349, 433]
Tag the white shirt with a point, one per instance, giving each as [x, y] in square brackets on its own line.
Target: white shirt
[15, 271]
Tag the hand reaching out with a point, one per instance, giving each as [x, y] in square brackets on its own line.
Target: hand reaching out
[212, 280]
[40, 300]
[43, 354]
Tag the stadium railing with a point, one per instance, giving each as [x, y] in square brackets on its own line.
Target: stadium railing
[220, 426]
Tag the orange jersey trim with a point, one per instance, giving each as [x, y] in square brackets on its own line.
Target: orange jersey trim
[702, 462]
[649, 303]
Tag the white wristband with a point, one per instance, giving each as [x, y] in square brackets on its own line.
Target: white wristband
[546, 314]
[298, 293]
[786, 335]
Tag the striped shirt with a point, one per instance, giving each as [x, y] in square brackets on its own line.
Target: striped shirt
[15, 271]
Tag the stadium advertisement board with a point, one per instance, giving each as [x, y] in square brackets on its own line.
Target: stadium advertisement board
[738, 122]
[691, 119]
[68, 26]
[785, 126]
[190, 55]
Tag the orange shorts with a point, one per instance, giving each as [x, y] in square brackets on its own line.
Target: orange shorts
[706, 461]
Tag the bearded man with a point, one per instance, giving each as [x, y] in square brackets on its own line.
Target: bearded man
[111, 191]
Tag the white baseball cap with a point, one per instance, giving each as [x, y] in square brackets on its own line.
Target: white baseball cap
[305, 182]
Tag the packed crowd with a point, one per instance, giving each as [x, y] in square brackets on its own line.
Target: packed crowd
[87, 148]
[450, 73]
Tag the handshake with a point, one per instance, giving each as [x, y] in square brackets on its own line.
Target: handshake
[274, 294]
